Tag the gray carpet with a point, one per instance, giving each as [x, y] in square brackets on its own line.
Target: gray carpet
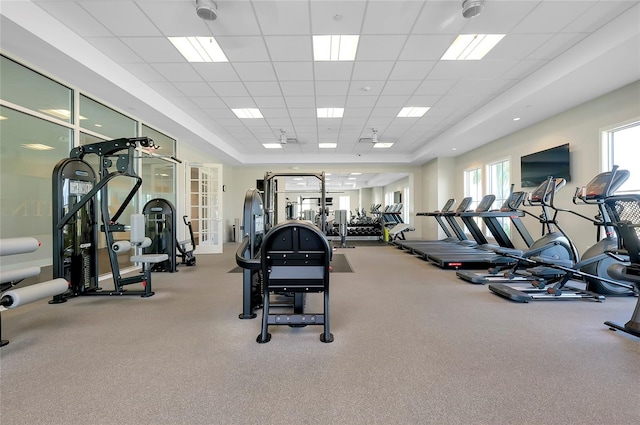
[413, 345]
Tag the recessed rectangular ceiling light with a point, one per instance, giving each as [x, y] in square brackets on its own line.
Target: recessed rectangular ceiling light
[37, 146]
[199, 49]
[471, 46]
[3, 118]
[335, 47]
[413, 111]
[272, 145]
[327, 145]
[247, 113]
[330, 112]
[383, 145]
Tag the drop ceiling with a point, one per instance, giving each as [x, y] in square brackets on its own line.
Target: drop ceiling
[555, 55]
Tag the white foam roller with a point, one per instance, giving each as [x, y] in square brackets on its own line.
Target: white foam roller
[12, 246]
[121, 246]
[137, 229]
[19, 274]
[145, 243]
[17, 297]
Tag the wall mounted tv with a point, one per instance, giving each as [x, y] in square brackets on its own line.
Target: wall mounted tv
[536, 167]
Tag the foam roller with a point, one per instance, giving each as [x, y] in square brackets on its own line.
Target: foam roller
[121, 246]
[19, 274]
[17, 297]
[18, 246]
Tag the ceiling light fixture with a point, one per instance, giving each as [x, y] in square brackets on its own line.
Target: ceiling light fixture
[327, 145]
[247, 112]
[283, 137]
[37, 146]
[412, 112]
[207, 9]
[335, 47]
[199, 49]
[471, 46]
[472, 8]
[330, 112]
[272, 145]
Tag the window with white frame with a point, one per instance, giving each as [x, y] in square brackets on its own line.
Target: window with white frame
[499, 184]
[620, 147]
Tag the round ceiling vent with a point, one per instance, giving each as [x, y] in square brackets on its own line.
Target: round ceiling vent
[207, 9]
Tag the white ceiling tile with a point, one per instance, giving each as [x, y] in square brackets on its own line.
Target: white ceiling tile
[523, 69]
[77, 18]
[356, 112]
[293, 71]
[426, 47]
[278, 18]
[239, 102]
[411, 70]
[391, 101]
[145, 72]
[366, 88]
[400, 88]
[551, 16]
[337, 101]
[263, 88]
[178, 72]
[216, 71]
[209, 102]
[269, 102]
[331, 88]
[289, 48]
[422, 100]
[173, 19]
[378, 112]
[301, 101]
[165, 88]
[234, 18]
[440, 17]
[228, 122]
[449, 70]
[556, 45]
[337, 17]
[195, 89]
[517, 46]
[255, 71]
[280, 123]
[221, 113]
[115, 49]
[244, 48]
[361, 101]
[498, 18]
[153, 49]
[469, 87]
[390, 16]
[122, 18]
[303, 112]
[297, 88]
[229, 88]
[274, 112]
[593, 17]
[380, 47]
[434, 87]
[489, 69]
[333, 70]
[372, 70]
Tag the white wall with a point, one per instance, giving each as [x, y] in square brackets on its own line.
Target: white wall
[581, 127]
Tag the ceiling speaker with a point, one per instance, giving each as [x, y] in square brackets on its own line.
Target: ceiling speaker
[207, 9]
[472, 8]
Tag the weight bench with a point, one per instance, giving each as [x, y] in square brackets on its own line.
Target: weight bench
[138, 239]
[295, 259]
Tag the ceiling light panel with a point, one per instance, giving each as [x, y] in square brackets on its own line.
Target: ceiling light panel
[199, 49]
[471, 46]
[272, 145]
[413, 111]
[247, 113]
[330, 112]
[327, 145]
[382, 145]
[335, 47]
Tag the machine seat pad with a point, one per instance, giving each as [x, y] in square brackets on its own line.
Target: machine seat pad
[149, 258]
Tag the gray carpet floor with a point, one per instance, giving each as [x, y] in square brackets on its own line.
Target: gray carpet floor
[413, 345]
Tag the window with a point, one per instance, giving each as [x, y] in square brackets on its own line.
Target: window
[98, 118]
[620, 146]
[158, 174]
[499, 184]
[345, 203]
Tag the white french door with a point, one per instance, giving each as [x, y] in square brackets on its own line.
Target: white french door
[204, 186]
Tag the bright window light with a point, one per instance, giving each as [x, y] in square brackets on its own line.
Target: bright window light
[356, 174]
[413, 111]
[247, 113]
[327, 145]
[3, 118]
[272, 145]
[37, 146]
[335, 47]
[199, 49]
[471, 46]
[330, 112]
[383, 145]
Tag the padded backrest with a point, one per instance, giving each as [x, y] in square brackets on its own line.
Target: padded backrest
[295, 255]
[624, 211]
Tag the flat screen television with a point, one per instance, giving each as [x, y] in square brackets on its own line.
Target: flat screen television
[536, 167]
